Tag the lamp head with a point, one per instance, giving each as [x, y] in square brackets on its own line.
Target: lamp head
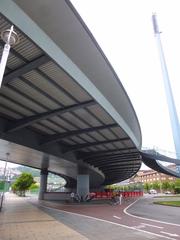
[10, 37]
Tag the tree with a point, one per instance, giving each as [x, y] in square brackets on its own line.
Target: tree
[177, 183]
[22, 183]
[165, 185]
[34, 188]
[147, 187]
[156, 185]
[177, 186]
[171, 186]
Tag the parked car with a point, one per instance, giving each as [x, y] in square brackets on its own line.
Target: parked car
[152, 191]
[167, 192]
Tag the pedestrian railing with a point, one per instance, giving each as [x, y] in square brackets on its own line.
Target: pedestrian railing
[109, 195]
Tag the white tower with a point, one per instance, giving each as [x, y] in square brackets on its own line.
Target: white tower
[169, 95]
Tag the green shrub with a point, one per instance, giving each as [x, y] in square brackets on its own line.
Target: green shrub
[177, 189]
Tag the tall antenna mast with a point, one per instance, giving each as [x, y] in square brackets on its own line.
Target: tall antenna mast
[169, 95]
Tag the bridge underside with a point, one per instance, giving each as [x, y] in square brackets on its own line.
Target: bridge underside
[57, 110]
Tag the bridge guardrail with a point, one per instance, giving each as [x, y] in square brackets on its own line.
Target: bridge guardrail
[156, 151]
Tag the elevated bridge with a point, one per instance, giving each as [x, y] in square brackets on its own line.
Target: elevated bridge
[63, 109]
[153, 158]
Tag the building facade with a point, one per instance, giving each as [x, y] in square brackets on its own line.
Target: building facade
[150, 176]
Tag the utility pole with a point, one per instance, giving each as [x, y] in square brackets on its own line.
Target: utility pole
[169, 95]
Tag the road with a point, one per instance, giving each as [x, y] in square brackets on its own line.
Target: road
[161, 224]
[145, 208]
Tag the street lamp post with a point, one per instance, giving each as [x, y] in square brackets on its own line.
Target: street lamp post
[10, 38]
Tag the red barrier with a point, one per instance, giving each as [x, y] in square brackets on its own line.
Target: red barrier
[107, 195]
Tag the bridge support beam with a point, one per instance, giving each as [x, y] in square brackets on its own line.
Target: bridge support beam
[43, 183]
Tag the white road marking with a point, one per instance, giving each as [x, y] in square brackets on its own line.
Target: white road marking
[117, 217]
[170, 234]
[139, 226]
[149, 219]
[102, 220]
[146, 224]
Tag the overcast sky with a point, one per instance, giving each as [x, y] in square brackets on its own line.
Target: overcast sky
[123, 29]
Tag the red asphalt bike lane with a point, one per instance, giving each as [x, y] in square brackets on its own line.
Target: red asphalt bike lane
[118, 214]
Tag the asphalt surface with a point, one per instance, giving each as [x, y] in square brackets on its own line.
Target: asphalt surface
[105, 221]
[145, 208]
[94, 229]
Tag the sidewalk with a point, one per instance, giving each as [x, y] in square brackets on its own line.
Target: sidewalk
[20, 220]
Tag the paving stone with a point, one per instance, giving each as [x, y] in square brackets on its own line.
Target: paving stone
[20, 220]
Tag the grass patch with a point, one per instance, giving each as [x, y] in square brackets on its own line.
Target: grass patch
[169, 203]
[167, 196]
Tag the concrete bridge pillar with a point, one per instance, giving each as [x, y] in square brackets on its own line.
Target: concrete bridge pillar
[82, 182]
[83, 185]
[43, 183]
